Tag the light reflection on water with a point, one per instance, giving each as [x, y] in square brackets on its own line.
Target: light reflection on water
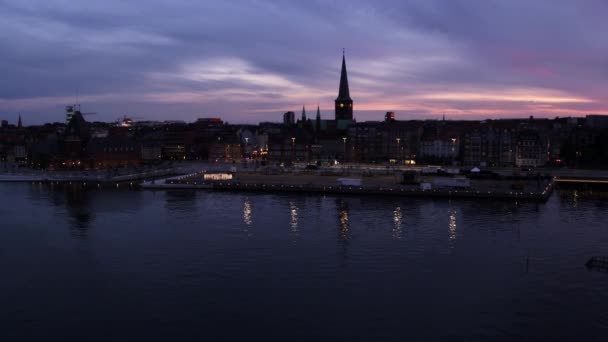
[452, 227]
[344, 220]
[397, 223]
[293, 213]
[247, 212]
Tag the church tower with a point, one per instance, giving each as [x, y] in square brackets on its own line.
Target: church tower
[318, 120]
[344, 104]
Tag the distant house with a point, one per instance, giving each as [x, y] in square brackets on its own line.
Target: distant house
[530, 151]
[225, 151]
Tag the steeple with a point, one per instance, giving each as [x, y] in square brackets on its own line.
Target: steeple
[318, 121]
[303, 114]
[344, 93]
[19, 123]
[344, 104]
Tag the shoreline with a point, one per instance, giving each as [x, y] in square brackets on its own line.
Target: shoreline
[379, 186]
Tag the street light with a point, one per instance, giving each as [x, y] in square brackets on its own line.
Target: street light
[453, 145]
[398, 148]
[293, 148]
[344, 140]
[246, 145]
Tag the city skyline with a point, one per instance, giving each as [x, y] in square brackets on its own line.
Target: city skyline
[246, 64]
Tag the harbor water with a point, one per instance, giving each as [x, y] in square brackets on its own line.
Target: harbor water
[146, 265]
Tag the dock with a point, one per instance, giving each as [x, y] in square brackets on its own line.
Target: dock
[82, 177]
[311, 184]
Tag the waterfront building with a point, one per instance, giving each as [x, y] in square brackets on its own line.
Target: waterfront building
[114, 151]
[439, 146]
[151, 152]
[178, 139]
[74, 142]
[530, 150]
[226, 151]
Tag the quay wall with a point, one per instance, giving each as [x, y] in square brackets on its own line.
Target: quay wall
[357, 190]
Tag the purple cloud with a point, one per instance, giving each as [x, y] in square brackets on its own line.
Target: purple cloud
[248, 61]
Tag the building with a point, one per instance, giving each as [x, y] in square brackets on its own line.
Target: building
[531, 151]
[69, 113]
[225, 151]
[597, 121]
[178, 139]
[289, 118]
[74, 142]
[151, 152]
[114, 151]
[343, 103]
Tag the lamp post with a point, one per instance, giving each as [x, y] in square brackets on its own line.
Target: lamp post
[453, 149]
[398, 149]
[344, 140]
[293, 148]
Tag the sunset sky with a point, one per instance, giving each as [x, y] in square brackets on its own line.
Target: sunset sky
[249, 61]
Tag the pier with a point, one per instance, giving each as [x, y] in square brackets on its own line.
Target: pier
[387, 185]
[83, 177]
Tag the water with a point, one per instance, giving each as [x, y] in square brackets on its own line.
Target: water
[169, 265]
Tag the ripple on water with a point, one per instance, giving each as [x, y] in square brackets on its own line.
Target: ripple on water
[327, 265]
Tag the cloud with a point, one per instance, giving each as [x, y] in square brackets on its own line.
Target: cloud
[250, 60]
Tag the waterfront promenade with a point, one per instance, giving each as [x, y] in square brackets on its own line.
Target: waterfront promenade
[376, 179]
[88, 176]
[382, 183]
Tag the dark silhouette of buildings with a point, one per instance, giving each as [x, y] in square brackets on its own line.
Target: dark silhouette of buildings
[529, 142]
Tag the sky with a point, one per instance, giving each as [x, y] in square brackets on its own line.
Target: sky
[250, 61]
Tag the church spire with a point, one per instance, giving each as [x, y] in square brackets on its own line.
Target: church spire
[19, 123]
[344, 93]
[344, 104]
[303, 113]
[318, 121]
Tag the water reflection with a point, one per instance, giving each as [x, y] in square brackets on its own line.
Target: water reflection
[293, 212]
[182, 201]
[344, 225]
[81, 204]
[397, 223]
[75, 199]
[247, 212]
[452, 227]
[79, 209]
